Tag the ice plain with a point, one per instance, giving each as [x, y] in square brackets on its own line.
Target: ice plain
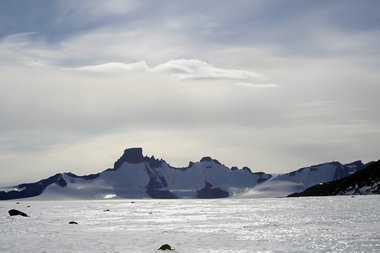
[315, 224]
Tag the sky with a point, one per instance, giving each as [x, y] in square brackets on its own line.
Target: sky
[273, 85]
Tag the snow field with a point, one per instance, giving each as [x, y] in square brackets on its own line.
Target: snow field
[324, 224]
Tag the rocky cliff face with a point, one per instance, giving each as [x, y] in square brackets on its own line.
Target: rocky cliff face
[132, 155]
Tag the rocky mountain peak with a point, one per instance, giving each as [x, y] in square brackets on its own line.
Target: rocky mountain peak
[131, 155]
[209, 159]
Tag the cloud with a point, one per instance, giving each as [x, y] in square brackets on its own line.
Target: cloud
[200, 70]
[117, 67]
[188, 70]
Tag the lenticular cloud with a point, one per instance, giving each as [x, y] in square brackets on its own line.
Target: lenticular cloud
[196, 69]
[184, 70]
[117, 67]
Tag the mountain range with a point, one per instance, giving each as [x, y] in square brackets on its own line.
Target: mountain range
[136, 176]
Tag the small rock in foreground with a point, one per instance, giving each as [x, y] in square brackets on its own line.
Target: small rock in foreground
[165, 247]
[14, 212]
[73, 222]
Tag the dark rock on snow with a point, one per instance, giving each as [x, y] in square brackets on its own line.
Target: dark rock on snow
[208, 192]
[73, 222]
[165, 247]
[14, 212]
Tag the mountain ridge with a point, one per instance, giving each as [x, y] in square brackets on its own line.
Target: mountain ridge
[137, 176]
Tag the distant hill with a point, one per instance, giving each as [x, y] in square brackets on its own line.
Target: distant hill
[363, 182]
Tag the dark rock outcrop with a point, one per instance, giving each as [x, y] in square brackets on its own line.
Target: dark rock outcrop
[160, 194]
[365, 181]
[208, 192]
[131, 155]
[14, 212]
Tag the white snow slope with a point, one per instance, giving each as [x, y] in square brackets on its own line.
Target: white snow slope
[325, 224]
[299, 180]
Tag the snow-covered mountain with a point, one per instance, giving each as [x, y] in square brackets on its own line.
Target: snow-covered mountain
[297, 181]
[363, 182]
[136, 176]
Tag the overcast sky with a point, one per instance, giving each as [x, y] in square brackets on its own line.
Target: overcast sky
[272, 85]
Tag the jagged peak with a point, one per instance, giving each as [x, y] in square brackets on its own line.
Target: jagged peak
[135, 155]
[209, 159]
[247, 169]
[153, 162]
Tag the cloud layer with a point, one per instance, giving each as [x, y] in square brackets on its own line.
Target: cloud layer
[81, 82]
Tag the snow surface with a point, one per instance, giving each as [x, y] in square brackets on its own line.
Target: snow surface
[315, 224]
